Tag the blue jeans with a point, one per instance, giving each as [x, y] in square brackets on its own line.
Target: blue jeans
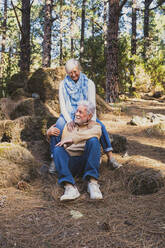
[86, 165]
[104, 140]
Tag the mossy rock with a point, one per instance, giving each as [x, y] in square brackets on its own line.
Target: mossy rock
[32, 107]
[25, 128]
[45, 82]
[17, 81]
[19, 94]
[17, 163]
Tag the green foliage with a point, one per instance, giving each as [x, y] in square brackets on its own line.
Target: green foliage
[94, 64]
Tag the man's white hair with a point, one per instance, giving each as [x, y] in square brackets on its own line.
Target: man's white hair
[89, 106]
[70, 64]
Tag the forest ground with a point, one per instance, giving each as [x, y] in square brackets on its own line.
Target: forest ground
[34, 217]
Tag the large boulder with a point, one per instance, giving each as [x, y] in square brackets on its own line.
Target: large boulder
[119, 143]
[17, 81]
[32, 107]
[29, 132]
[45, 82]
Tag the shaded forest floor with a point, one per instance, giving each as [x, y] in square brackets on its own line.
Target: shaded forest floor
[34, 217]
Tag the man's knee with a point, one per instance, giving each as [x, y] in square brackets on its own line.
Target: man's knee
[93, 140]
[58, 150]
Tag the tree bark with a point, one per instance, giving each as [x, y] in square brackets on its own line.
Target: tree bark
[82, 29]
[46, 59]
[112, 79]
[4, 28]
[25, 37]
[147, 4]
[71, 27]
[61, 32]
[134, 24]
[105, 27]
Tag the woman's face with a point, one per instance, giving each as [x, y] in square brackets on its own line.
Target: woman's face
[74, 74]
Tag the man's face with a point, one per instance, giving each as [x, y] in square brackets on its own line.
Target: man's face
[82, 116]
[74, 74]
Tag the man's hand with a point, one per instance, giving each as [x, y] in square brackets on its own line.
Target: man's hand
[53, 131]
[70, 126]
[65, 143]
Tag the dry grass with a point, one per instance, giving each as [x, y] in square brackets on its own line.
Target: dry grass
[16, 163]
[36, 218]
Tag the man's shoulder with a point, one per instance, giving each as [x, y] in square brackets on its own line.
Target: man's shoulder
[93, 124]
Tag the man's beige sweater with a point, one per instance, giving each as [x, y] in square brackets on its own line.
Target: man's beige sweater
[79, 136]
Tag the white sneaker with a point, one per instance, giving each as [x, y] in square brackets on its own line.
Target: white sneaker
[71, 193]
[94, 191]
[52, 168]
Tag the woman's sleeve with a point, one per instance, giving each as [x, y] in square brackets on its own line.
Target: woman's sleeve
[92, 95]
[63, 107]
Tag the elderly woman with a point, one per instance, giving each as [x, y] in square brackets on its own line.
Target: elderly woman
[74, 88]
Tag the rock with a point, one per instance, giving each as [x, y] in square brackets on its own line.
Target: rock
[45, 82]
[29, 132]
[139, 121]
[155, 118]
[17, 81]
[119, 143]
[158, 94]
[146, 181]
[30, 107]
[148, 119]
[157, 130]
[76, 214]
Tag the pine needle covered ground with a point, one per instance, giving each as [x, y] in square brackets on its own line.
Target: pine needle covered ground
[31, 214]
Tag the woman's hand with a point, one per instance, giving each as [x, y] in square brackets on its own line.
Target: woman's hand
[70, 126]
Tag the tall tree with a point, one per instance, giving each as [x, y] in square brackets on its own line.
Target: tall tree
[4, 29]
[134, 25]
[147, 9]
[82, 29]
[71, 26]
[105, 27]
[61, 31]
[46, 59]
[112, 79]
[25, 37]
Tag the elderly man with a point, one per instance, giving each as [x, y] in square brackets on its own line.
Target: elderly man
[78, 153]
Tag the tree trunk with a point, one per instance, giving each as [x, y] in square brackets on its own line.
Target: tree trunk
[71, 27]
[105, 27]
[133, 37]
[46, 59]
[82, 29]
[112, 79]
[3, 45]
[61, 32]
[147, 4]
[92, 19]
[25, 37]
